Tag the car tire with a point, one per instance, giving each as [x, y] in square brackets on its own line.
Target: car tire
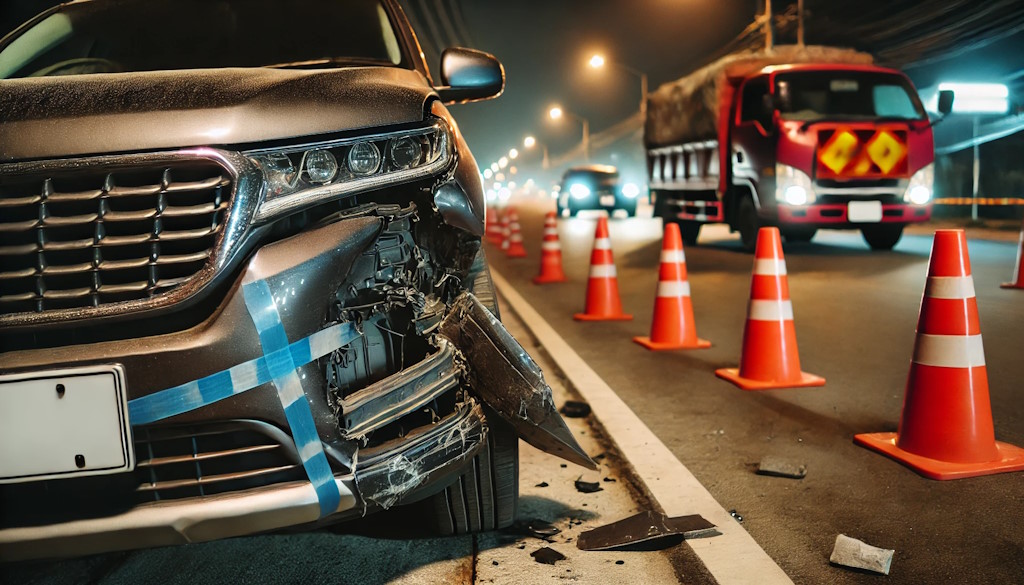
[799, 235]
[747, 223]
[689, 230]
[882, 237]
[486, 495]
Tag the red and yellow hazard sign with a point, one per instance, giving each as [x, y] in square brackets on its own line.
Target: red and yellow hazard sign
[860, 153]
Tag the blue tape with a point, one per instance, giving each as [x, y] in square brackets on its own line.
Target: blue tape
[277, 365]
[260, 302]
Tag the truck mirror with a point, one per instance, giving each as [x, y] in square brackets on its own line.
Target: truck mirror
[945, 101]
[468, 75]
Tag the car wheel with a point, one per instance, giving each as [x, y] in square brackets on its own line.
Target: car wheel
[689, 230]
[747, 223]
[882, 237]
[486, 495]
[799, 234]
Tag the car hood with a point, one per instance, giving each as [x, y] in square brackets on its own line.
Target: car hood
[74, 115]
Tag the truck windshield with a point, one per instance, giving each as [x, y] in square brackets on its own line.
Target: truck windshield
[846, 95]
[150, 35]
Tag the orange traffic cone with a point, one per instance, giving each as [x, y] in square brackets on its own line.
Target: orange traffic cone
[770, 358]
[946, 428]
[603, 303]
[1018, 270]
[673, 326]
[515, 238]
[550, 253]
[505, 231]
[492, 230]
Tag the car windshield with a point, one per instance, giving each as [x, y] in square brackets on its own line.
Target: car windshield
[150, 35]
[846, 95]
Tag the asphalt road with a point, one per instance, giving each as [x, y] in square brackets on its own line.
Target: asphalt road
[855, 313]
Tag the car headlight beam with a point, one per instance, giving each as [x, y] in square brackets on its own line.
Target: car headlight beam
[579, 191]
[300, 176]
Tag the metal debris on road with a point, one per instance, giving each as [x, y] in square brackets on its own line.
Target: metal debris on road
[575, 409]
[542, 484]
[644, 527]
[779, 467]
[541, 529]
[736, 515]
[587, 487]
[850, 552]
[547, 555]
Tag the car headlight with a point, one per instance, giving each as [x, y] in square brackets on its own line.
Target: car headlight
[630, 190]
[300, 176]
[579, 191]
[792, 186]
[920, 189]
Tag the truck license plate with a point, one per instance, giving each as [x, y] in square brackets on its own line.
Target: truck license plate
[64, 423]
[864, 211]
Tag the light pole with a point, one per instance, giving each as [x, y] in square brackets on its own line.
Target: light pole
[557, 112]
[530, 142]
[598, 61]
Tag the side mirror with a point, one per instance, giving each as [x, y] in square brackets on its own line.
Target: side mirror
[468, 75]
[945, 101]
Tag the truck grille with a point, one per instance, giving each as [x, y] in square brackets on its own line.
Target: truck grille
[86, 238]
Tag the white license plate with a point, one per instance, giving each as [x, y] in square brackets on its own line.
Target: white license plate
[608, 200]
[64, 423]
[864, 211]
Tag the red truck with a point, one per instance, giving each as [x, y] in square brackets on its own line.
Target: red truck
[800, 138]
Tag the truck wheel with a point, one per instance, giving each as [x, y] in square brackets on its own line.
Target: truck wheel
[747, 223]
[799, 234]
[882, 237]
[486, 496]
[689, 230]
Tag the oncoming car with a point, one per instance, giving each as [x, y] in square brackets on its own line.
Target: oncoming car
[596, 187]
[242, 285]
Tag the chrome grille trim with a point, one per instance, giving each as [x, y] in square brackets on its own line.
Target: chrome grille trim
[237, 207]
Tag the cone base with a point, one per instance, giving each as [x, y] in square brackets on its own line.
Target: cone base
[1011, 458]
[733, 375]
[1018, 285]
[657, 346]
[549, 279]
[589, 317]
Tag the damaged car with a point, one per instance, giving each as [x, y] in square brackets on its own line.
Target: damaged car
[241, 279]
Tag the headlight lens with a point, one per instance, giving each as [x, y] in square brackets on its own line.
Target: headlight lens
[579, 191]
[630, 190]
[792, 186]
[920, 188]
[297, 177]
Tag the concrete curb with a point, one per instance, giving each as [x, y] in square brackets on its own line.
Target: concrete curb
[733, 557]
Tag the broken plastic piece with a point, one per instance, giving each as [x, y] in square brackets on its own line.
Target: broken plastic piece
[644, 527]
[547, 555]
[850, 552]
[778, 467]
[575, 409]
[542, 484]
[508, 380]
[587, 487]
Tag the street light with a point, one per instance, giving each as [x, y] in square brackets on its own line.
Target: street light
[512, 154]
[557, 112]
[598, 61]
[530, 142]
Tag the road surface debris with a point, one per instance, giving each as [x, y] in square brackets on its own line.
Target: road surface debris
[547, 555]
[779, 467]
[644, 527]
[850, 552]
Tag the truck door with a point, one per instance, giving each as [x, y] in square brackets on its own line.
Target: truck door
[753, 141]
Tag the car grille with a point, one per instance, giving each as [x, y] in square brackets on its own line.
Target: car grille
[171, 463]
[85, 238]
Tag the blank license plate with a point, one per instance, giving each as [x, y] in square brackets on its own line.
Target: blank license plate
[608, 200]
[64, 423]
[864, 211]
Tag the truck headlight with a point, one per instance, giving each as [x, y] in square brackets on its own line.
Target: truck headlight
[297, 177]
[920, 188]
[792, 186]
[630, 191]
[579, 191]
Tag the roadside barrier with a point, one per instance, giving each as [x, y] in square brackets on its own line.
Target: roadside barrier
[515, 247]
[770, 358]
[550, 253]
[979, 201]
[946, 429]
[493, 227]
[1018, 269]
[673, 326]
[603, 302]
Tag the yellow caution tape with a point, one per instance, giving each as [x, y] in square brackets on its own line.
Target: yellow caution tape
[980, 201]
